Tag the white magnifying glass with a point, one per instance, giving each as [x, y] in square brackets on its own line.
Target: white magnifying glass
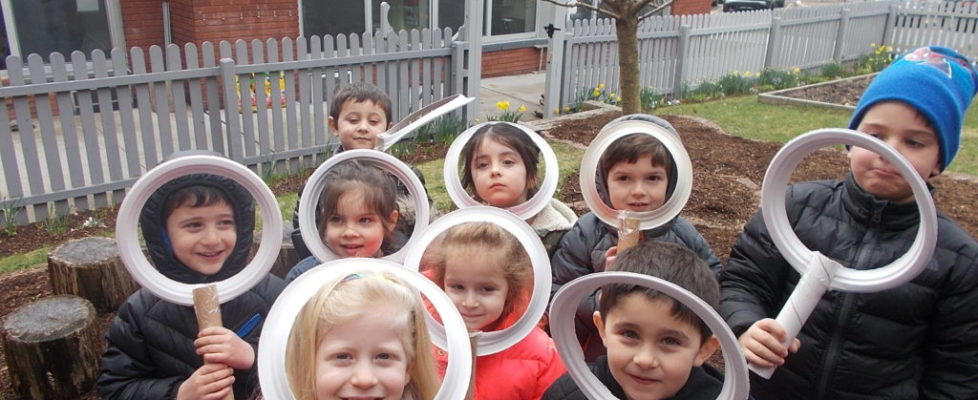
[818, 272]
[495, 341]
[736, 384]
[281, 318]
[528, 209]
[317, 182]
[127, 236]
[647, 219]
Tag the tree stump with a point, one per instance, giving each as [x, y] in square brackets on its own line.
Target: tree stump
[53, 347]
[287, 257]
[92, 269]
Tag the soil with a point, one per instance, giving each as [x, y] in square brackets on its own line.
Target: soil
[728, 172]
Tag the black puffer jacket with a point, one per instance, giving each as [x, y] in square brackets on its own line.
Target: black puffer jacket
[150, 342]
[919, 340]
[581, 252]
[704, 383]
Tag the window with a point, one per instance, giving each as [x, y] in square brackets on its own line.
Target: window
[506, 17]
[46, 26]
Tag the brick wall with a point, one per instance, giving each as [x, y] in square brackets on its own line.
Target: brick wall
[142, 22]
[687, 7]
[198, 21]
[512, 62]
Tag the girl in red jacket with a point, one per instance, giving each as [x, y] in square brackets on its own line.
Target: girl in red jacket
[486, 272]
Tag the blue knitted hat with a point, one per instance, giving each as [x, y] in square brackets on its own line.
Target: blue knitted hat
[939, 82]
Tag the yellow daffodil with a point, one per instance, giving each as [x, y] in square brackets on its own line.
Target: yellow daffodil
[556, 111]
[596, 92]
[600, 86]
[502, 105]
[522, 108]
[747, 74]
[796, 70]
[567, 109]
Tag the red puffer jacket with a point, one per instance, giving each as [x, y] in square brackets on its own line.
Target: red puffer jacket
[521, 372]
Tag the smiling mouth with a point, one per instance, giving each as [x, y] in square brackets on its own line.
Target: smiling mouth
[212, 254]
[643, 381]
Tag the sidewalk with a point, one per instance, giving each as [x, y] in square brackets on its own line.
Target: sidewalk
[516, 89]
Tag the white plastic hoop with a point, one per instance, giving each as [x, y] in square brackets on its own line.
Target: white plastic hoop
[736, 384]
[776, 178]
[496, 341]
[525, 210]
[126, 228]
[317, 182]
[647, 219]
[275, 334]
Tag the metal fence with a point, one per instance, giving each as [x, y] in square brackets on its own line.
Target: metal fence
[84, 129]
[690, 49]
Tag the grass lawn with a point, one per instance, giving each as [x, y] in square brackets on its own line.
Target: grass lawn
[741, 116]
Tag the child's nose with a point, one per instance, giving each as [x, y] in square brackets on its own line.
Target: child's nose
[350, 231]
[646, 358]
[363, 377]
[210, 236]
[470, 300]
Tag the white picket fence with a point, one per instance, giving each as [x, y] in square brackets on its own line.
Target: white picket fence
[84, 129]
[689, 49]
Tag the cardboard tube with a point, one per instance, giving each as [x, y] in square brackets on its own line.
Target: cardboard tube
[208, 310]
[628, 231]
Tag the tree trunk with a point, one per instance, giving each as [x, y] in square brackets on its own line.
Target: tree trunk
[53, 347]
[626, 28]
[91, 268]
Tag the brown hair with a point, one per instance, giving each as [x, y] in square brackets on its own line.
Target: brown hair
[630, 148]
[508, 135]
[483, 239]
[359, 92]
[670, 262]
[376, 185]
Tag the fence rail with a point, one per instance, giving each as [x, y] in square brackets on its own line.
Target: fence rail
[685, 50]
[77, 132]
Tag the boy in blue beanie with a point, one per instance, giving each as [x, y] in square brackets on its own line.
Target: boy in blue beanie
[917, 340]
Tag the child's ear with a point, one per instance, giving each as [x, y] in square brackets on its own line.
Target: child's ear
[393, 219]
[706, 350]
[936, 171]
[332, 125]
[599, 323]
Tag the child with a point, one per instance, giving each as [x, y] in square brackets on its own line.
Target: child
[358, 114]
[361, 336]
[656, 345]
[487, 274]
[913, 341]
[501, 170]
[637, 173]
[357, 214]
[198, 230]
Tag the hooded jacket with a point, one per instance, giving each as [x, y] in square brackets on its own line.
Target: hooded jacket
[917, 340]
[582, 250]
[704, 383]
[150, 348]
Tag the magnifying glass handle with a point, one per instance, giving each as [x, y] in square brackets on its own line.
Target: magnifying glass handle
[208, 310]
[802, 301]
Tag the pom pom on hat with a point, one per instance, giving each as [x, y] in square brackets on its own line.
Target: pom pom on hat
[939, 82]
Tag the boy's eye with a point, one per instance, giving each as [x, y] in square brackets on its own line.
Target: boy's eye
[385, 356]
[481, 164]
[622, 178]
[509, 162]
[226, 223]
[193, 225]
[629, 334]
[672, 341]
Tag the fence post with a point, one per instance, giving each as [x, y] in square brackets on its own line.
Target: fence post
[888, 28]
[472, 63]
[555, 66]
[773, 43]
[231, 115]
[840, 37]
[682, 55]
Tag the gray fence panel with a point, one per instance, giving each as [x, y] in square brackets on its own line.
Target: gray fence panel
[69, 135]
[93, 149]
[127, 124]
[145, 107]
[213, 105]
[157, 64]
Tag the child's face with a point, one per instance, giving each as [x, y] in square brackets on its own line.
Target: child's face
[899, 125]
[359, 124]
[362, 358]
[478, 289]
[499, 174]
[354, 230]
[637, 186]
[650, 352]
[202, 237]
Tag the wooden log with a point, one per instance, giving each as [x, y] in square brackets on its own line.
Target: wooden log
[92, 269]
[53, 347]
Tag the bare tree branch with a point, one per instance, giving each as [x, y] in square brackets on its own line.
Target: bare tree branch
[584, 5]
[655, 10]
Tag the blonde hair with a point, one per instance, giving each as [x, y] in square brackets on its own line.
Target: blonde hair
[345, 299]
[483, 239]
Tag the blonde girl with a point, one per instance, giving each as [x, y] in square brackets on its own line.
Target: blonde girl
[486, 272]
[361, 335]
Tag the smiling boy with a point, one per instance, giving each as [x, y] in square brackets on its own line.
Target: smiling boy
[913, 341]
[656, 346]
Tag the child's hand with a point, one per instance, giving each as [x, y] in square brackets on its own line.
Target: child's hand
[762, 344]
[211, 381]
[220, 345]
[609, 257]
